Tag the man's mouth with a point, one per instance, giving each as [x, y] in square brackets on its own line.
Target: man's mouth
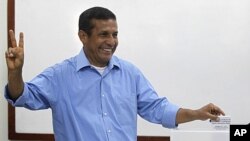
[108, 50]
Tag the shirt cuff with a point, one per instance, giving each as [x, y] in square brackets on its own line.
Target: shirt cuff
[20, 101]
[169, 116]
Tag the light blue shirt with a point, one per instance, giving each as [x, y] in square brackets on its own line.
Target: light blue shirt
[88, 106]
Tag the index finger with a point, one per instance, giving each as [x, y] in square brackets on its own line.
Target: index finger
[12, 38]
[21, 42]
[218, 110]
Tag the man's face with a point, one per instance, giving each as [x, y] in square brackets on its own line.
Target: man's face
[101, 44]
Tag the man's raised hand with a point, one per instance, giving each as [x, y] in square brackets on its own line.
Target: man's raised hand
[15, 54]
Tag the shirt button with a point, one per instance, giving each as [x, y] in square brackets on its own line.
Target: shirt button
[109, 131]
[105, 114]
[102, 95]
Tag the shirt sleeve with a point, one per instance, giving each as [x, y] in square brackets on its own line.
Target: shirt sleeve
[20, 101]
[169, 115]
[39, 93]
[153, 108]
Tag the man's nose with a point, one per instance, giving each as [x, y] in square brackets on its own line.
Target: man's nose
[111, 41]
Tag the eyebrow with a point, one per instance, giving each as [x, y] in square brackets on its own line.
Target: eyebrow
[107, 32]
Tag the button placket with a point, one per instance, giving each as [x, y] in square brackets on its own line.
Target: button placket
[104, 109]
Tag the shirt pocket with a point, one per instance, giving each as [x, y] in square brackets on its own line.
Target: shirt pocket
[126, 98]
[127, 107]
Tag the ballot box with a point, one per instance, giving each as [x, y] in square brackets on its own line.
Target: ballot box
[199, 135]
[203, 131]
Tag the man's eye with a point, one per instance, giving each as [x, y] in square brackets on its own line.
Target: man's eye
[104, 34]
[115, 35]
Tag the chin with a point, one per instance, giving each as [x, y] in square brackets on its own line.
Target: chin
[107, 60]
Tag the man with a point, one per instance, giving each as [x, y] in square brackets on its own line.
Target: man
[95, 96]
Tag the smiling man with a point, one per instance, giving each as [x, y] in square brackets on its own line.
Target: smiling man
[100, 43]
[95, 96]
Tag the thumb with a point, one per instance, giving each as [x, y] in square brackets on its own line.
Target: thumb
[213, 117]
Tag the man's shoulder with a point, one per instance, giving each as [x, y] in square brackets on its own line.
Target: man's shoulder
[69, 63]
[122, 62]
[125, 64]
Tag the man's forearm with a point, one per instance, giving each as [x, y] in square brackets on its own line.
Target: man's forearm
[209, 111]
[185, 115]
[15, 84]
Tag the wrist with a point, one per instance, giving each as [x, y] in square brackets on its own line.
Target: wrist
[14, 71]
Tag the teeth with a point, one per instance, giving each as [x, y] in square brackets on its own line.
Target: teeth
[107, 49]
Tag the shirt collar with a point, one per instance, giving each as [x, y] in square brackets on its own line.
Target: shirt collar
[83, 62]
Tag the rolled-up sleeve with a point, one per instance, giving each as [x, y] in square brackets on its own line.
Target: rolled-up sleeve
[169, 116]
[153, 108]
[39, 93]
[20, 101]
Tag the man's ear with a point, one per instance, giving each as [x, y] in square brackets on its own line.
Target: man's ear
[83, 36]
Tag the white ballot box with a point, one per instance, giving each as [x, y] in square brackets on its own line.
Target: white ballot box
[199, 135]
[204, 131]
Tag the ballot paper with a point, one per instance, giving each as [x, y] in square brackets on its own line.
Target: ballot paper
[223, 123]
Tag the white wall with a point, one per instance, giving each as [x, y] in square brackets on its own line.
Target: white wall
[205, 52]
[3, 78]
